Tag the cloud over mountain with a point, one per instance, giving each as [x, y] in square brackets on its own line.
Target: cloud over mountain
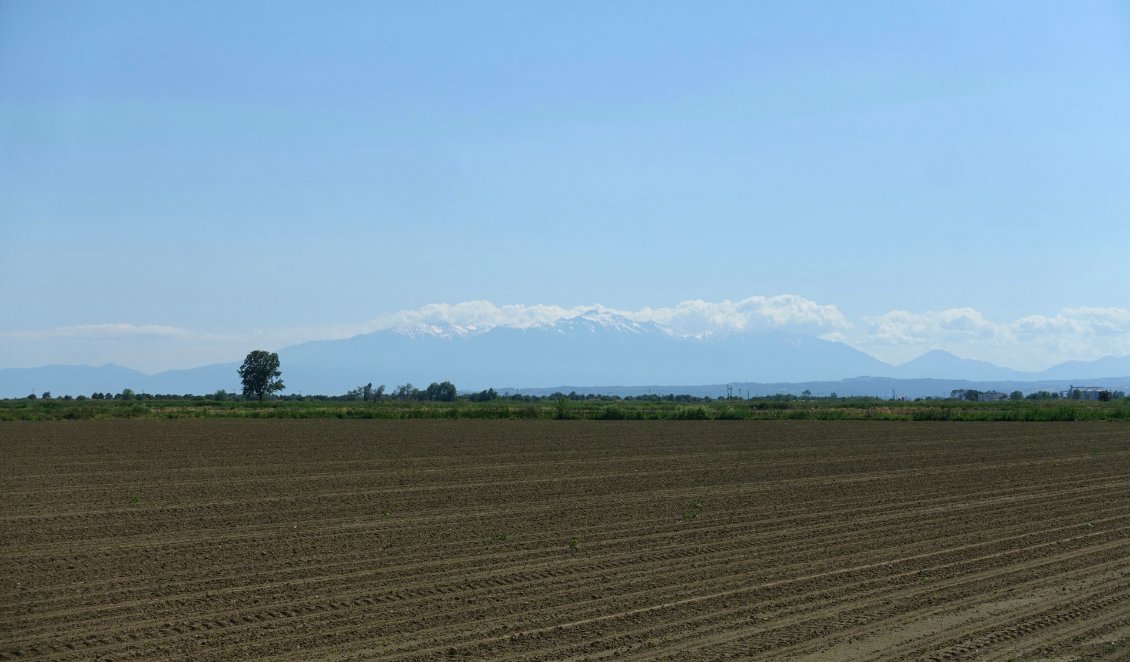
[1029, 342]
[692, 318]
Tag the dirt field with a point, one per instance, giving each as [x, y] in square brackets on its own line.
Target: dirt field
[564, 539]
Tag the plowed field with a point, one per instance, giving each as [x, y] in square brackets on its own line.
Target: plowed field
[564, 540]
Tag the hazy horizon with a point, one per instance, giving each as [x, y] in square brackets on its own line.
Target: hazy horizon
[894, 338]
[180, 184]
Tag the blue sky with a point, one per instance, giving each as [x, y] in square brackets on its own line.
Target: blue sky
[181, 181]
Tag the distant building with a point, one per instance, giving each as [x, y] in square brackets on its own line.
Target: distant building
[991, 396]
[1087, 393]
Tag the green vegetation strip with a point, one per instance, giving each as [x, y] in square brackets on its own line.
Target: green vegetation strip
[589, 408]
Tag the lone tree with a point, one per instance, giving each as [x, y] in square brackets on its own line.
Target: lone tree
[442, 392]
[260, 373]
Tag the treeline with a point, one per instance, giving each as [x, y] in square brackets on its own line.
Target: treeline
[435, 392]
[446, 391]
[974, 395]
[563, 406]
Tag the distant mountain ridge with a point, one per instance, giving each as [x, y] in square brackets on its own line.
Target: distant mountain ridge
[583, 349]
[595, 347]
[940, 364]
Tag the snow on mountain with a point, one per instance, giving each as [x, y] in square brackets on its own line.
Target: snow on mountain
[436, 329]
[594, 321]
[590, 321]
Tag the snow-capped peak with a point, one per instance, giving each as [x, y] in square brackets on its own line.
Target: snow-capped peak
[437, 329]
[594, 320]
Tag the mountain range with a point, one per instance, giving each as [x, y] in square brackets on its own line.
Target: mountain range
[592, 349]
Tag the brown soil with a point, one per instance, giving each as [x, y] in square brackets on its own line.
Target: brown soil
[564, 540]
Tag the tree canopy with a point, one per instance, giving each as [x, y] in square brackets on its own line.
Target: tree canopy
[442, 391]
[260, 373]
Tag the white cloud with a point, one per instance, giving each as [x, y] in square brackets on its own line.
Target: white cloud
[1032, 342]
[688, 318]
[900, 327]
[756, 313]
[1103, 321]
[475, 316]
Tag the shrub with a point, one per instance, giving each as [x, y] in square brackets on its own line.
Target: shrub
[730, 414]
[932, 414]
[696, 413]
[611, 413]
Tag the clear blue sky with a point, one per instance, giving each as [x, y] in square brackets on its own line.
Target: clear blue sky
[283, 169]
